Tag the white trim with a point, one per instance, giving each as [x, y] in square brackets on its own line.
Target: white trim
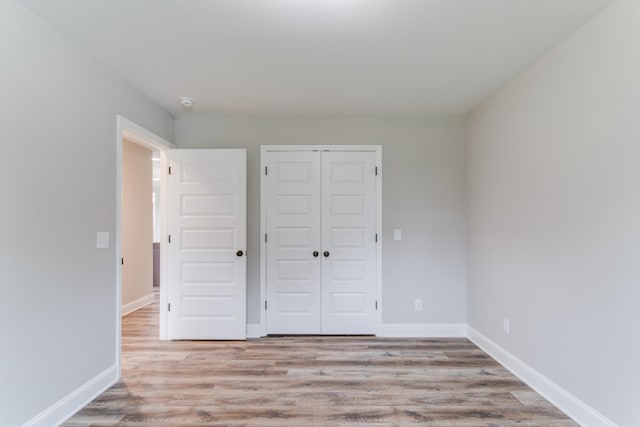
[141, 136]
[351, 148]
[256, 330]
[263, 244]
[66, 407]
[423, 330]
[573, 407]
[263, 219]
[379, 304]
[163, 333]
[132, 306]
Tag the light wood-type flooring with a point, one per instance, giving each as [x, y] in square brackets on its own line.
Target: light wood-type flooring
[303, 381]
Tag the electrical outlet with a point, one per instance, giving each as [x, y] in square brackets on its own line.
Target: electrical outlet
[506, 326]
[417, 304]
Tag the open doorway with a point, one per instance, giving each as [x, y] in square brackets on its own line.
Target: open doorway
[138, 263]
[156, 201]
[146, 153]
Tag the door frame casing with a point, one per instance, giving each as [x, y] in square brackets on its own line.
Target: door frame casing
[262, 329]
[137, 134]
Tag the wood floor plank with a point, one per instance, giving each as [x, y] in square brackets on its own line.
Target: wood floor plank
[309, 380]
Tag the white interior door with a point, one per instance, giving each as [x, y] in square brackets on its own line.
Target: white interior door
[207, 249]
[293, 238]
[348, 242]
[321, 242]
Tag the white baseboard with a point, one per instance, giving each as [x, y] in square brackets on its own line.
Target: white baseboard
[423, 330]
[66, 407]
[395, 330]
[132, 306]
[255, 330]
[575, 408]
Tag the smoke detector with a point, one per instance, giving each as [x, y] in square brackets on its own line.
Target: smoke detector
[186, 102]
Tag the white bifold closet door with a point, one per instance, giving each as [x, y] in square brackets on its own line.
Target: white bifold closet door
[321, 242]
[207, 249]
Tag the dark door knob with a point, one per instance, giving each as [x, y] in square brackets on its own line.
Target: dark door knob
[316, 253]
[239, 253]
[326, 254]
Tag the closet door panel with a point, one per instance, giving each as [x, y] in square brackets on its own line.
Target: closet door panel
[293, 234]
[348, 242]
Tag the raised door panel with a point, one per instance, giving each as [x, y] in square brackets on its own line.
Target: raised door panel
[348, 235]
[293, 234]
[207, 222]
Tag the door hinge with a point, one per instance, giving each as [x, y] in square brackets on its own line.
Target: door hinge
[169, 238]
[376, 171]
[376, 237]
[265, 304]
[265, 237]
[169, 170]
[376, 305]
[266, 170]
[121, 261]
[169, 307]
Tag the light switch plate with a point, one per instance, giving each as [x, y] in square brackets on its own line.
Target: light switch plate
[102, 240]
[397, 234]
[506, 326]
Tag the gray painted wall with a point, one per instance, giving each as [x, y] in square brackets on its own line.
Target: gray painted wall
[58, 187]
[554, 228]
[424, 194]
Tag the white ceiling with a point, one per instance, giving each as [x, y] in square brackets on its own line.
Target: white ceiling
[317, 56]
